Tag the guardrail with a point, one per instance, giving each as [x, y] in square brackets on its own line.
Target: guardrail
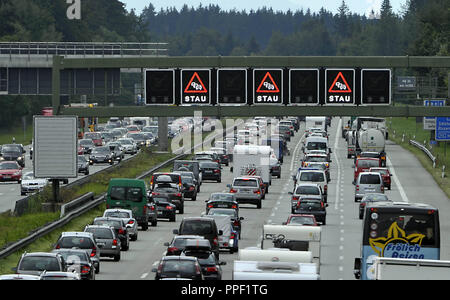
[424, 149]
[88, 206]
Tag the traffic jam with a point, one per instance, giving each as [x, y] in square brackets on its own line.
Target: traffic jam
[247, 164]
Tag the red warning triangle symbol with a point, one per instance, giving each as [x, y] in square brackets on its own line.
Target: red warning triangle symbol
[268, 85]
[340, 86]
[195, 85]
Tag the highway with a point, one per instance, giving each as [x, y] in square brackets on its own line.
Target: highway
[340, 237]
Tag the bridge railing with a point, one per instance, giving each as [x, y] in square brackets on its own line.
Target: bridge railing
[83, 49]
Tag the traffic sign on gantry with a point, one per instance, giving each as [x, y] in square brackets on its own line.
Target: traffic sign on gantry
[340, 86]
[304, 86]
[268, 86]
[375, 86]
[159, 86]
[195, 86]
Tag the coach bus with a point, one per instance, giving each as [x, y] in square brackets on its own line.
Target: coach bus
[398, 230]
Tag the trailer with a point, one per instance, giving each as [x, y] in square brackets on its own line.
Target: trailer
[252, 160]
[257, 270]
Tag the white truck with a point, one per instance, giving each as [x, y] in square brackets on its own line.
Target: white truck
[385, 268]
[252, 160]
[371, 140]
[316, 122]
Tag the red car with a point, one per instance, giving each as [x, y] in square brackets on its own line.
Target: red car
[301, 219]
[10, 171]
[96, 137]
[363, 164]
[385, 174]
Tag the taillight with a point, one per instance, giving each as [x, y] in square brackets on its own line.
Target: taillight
[114, 242]
[172, 249]
[357, 187]
[198, 270]
[155, 194]
[121, 231]
[232, 236]
[325, 188]
[295, 198]
[216, 171]
[169, 207]
[210, 206]
[235, 223]
[94, 252]
[145, 209]
[85, 269]
[233, 191]
[215, 242]
[152, 208]
[257, 192]
[191, 188]
[57, 246]
[131, 222]
[178, 195]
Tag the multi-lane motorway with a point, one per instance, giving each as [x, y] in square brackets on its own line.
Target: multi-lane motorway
[340, 237]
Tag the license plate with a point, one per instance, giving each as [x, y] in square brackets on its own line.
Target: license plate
[7, 177]
[100, 244]
[222, 206]
[208, 171]
[160, 213]
[245, 191]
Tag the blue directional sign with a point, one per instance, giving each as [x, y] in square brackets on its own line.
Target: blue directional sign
[429, 123]
[442, 129]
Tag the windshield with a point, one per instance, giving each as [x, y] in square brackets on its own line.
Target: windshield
[368, 163]
[222, 212]
[125, 142]
[39, 263]
[310, 204]
[92, 135]
[316, 159]
[72, 257]
[101, 150]
[370, 179]
[81, 158]
[245, 182]
[303, 220]
[126, 193]
[11, 149]
[112, 223]
[208, 165]
[316, 146]
[221, 197]
[118, 214]
[312, 176]
[196, 227]
[76, 242]
[100, 233]
[375, 198]
[28, 176]
[307, 190]
[86, 143]
[9, 166]
[179, 267]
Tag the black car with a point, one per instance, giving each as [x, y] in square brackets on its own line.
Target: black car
[120, 229]
[178, 243]
[211, 267]
[189, 188]
[202, 226]
[186, 173]
[101, 154]
[173, 192]
[83, 165]
[314, 207]
[13, 152]
[87, 145]
[37, 262]
[165, 208]
[177, 267]
[210, 170]
[78, 260]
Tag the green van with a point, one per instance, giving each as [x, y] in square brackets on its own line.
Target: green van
[129, 194]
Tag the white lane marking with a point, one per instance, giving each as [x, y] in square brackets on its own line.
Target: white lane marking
[396, 180]
[338, 164]
[295, 150]
[144, 275]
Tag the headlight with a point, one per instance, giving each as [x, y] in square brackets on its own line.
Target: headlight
[20, 158]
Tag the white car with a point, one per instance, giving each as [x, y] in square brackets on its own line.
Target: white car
[30, 184]
[128, 145]
[127, 216]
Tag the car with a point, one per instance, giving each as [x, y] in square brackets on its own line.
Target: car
[80, 240]
[247, 190]
[364, 164]
[10, 171]
[311, 190]
[186, 267]
[166, 177]
[222, 200]
[140, 139]
[173, 192]
[59, 276]
[176, 246]
[78, 260]
[202, 226]
[368, 182]
[128, 145]
[210, 170]
[106, 240]
[314, 207]
[86, 145]
[149, 137]
[301, 219]
[120, 229]
[101, 154]
[186, 173]
[313, 176]
[107, 137]
[385, 174]
[380, 155]
[165, 208]
[223, 156]
[210, 265]
[35, 263]
[370, 198]
[116, 152]
[207, 155]
[191, 166]
[127, 216]
[83, 165]
[189, 187]
[234, 216]
[133, 129]
[13, 152]
[264, 187]
[29, 184]
[96, 137]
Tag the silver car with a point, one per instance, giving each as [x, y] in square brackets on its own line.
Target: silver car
[311, 190]
[247, 190]
[127, 216]
[368, 182]
[106, 240]
[128, 145]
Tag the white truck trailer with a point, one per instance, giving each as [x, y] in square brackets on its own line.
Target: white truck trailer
[385, 268]
[252, 160]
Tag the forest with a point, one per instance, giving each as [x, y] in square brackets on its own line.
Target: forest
[422, 28]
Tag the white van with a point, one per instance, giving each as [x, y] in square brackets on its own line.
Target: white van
[316, 143]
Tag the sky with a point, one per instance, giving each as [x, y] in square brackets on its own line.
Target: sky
[361, 7]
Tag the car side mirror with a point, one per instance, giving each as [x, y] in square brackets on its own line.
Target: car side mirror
[222, 263]
[326, 204]
[14, 269]
[229, 186]
[241, 218]
[284, 223]
[166, 244]
[220, 232]
[175, 231]
[290, 193]
[154, 270]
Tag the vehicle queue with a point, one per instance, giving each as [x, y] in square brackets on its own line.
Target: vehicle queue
[198, 243]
